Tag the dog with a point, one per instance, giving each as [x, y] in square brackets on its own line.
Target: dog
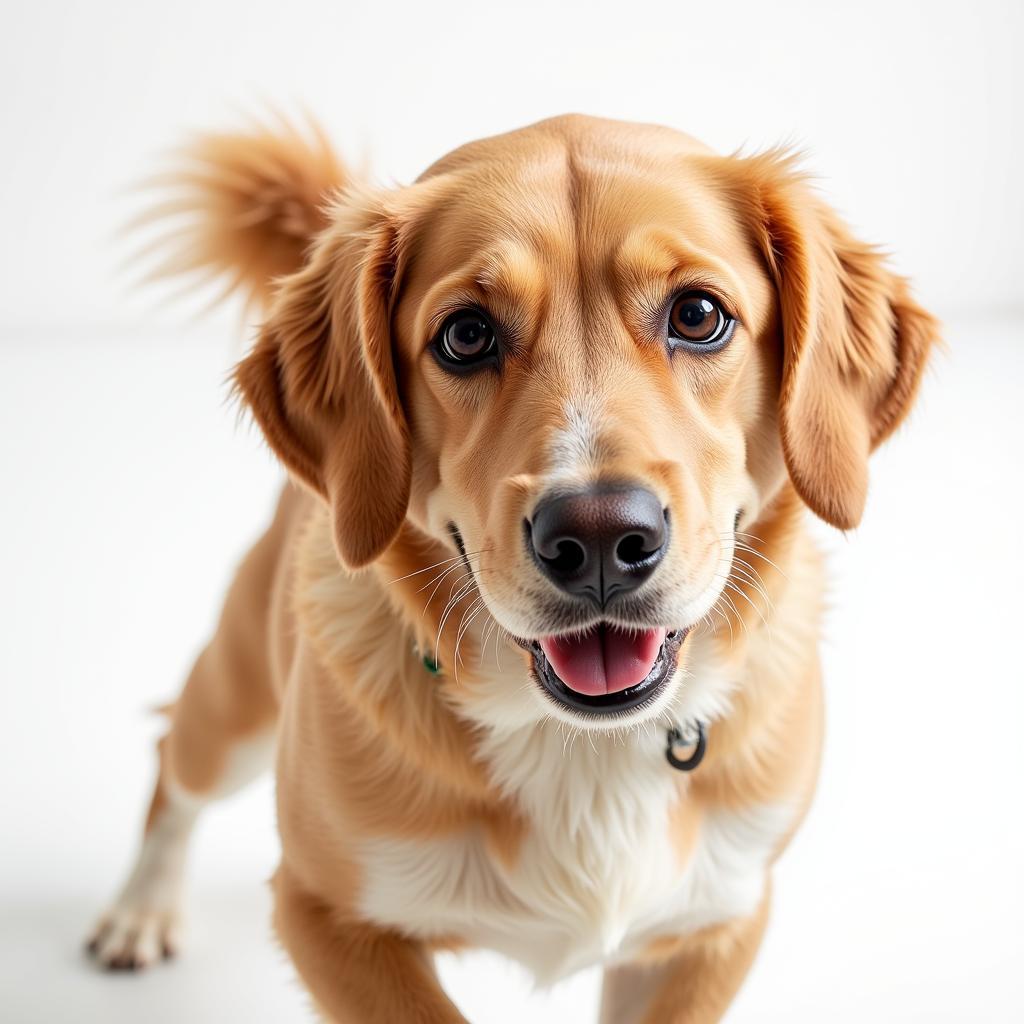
[532, 638]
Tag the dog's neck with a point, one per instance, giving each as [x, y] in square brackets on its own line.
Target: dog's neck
[418, 602]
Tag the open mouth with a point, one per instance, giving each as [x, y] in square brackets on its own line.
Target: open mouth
[606, 669]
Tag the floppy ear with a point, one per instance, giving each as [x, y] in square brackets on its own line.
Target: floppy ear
[321, 383]
[854, 341]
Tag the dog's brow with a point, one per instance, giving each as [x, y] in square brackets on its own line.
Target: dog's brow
[657, 255]
[651, 253]
[512, 273]
[507, 280]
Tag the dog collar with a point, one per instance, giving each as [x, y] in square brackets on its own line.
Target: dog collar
[676, 737]
[427, 660]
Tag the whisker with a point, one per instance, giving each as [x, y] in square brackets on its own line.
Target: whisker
[464, 576]
[503, 634]
[467, 613]
[488, 633]
[444, 561]
[456, 584]
[566, 738]
[496, 637]
[757, 554]
[754, 575]
[440, 579]
[754, 579]
[468, 616]
[736, 612]
[725, 618]
[417, 572]
[433, 592]
[744, 578]
[749, 536]
[449, 608]
[739, 590]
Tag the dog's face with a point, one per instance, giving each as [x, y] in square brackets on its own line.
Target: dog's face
[587, 366]
[584, 355]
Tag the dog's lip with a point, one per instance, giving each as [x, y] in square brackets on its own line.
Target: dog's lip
[607, 703]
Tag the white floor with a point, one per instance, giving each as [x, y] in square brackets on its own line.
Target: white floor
[129, 493]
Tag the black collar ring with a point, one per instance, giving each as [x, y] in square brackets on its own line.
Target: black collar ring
[677, 739]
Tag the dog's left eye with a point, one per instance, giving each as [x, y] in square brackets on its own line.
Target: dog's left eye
[698, 321]
[467, 337]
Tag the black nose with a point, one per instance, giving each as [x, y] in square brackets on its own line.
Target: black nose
[600, 542]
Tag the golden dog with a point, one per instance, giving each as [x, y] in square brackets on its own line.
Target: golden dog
[553, 414]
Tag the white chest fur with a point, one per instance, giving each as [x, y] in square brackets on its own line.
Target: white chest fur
[597, 875]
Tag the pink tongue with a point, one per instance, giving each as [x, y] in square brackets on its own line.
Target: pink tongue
[604, 659]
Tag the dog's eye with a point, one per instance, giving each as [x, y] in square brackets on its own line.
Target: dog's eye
[698, 320]
[467, 337]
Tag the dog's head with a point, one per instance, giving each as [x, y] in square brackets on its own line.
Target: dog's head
[584, 355]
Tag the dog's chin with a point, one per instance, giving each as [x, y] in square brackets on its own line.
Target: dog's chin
[605, 677]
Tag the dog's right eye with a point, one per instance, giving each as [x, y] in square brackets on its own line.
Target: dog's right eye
[467, 338]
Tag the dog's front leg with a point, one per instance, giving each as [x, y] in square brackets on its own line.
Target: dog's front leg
[357, 973]
[695, 986]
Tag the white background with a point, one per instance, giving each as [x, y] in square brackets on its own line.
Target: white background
[130, 491]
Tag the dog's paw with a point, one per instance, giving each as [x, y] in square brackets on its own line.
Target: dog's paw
[130, 937]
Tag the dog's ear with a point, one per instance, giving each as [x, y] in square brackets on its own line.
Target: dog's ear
[854, 342]
[321, 381]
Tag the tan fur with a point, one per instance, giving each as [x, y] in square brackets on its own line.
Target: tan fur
[243, 207]
[571, 233]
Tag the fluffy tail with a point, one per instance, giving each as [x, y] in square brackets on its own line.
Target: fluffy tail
[243, 207]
